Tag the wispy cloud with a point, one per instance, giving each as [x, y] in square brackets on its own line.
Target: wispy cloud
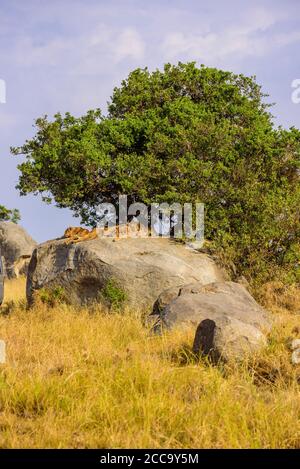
[128, 45]
[254, 36]
[81, 52]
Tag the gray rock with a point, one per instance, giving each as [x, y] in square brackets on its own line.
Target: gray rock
[226, 339]
[191, 304]
[16, 246]
[229, 322]
[141, 267]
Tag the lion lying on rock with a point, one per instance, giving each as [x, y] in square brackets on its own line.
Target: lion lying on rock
[77, 234]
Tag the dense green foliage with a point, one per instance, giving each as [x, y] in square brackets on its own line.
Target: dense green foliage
[113, 294]
[184, 134]
[9, 215]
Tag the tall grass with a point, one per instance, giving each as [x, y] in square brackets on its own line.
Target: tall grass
[85, 379]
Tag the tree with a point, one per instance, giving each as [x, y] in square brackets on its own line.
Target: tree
[184, 134]
[9, 215]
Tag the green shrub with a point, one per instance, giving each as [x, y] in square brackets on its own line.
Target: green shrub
[113, 294]
[184, 134]
[52, 296]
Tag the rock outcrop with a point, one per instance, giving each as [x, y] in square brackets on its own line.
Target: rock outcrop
[140, 267]
[16, 247]
[227, 319]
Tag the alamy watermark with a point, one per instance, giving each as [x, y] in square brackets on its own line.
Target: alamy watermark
[179, 221]
[295, 96]
[2, 91]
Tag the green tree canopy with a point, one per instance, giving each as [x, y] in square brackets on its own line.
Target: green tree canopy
[9, 215]
[184, 134]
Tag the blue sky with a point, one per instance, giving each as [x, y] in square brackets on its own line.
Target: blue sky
[68, 55]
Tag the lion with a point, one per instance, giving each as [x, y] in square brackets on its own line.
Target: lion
[75, 235]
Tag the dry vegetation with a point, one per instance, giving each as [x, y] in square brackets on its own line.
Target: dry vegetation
[89, 379]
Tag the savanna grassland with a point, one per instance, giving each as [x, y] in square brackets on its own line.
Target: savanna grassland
[82, 379]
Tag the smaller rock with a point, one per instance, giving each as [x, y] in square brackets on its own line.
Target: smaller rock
[204, 338]
[227, 338]
[295, 344]
[189, 304]
[296, 357]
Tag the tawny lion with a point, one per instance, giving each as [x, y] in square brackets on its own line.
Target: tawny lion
[76, 235]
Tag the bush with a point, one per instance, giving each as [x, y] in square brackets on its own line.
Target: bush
[114, 295]
[184, 134]
[51, 296]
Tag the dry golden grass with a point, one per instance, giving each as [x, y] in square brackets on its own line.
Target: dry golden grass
[15, 290]
[81, 379]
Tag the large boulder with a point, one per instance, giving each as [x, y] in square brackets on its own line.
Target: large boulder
[16, 246]
[140, 267]
[228, 320]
